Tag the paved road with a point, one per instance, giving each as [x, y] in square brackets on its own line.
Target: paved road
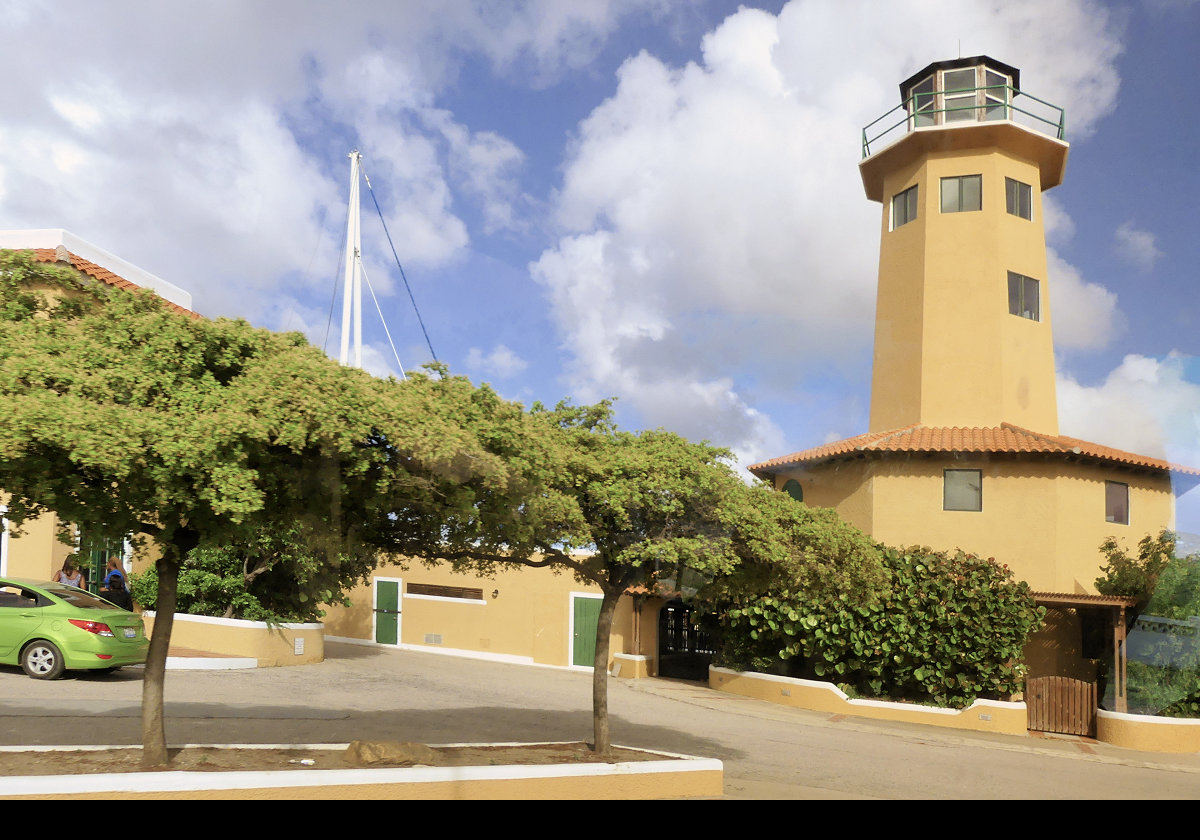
[769, 751]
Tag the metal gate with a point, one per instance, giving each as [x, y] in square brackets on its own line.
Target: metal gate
[1062, 705]
[684, 650]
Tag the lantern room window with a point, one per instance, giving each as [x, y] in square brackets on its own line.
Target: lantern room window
[960, 94]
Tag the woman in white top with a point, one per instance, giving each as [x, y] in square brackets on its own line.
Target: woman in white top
[69, 575]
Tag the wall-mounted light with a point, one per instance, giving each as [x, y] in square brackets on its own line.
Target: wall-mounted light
[495, 594]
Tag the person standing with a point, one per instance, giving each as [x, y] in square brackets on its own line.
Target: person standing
[114, 571]
[70, 575]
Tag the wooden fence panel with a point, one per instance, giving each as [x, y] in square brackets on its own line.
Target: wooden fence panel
[1061, 705]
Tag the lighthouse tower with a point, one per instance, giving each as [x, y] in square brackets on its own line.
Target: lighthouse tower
[963, 448]
[962, 324]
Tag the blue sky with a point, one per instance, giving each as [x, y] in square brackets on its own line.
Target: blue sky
[648, 200]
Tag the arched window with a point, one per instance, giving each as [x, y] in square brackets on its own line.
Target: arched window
[793, 489]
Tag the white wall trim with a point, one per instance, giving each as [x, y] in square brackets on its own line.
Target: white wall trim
[477, 601]
[238, 622]
[1152, 719]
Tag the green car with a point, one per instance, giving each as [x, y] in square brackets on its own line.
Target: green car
[48, 628]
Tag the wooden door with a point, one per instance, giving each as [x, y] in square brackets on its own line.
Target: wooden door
[1061, 705]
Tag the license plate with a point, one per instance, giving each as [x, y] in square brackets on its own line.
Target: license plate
[130, 633]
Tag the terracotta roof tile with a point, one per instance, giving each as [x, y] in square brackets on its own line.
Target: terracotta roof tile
[1005, 438]
[99, 272]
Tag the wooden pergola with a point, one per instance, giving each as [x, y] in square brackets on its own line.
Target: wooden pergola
[1115, 606]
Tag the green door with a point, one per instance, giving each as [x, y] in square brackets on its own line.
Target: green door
[585, 615]
[387, 612]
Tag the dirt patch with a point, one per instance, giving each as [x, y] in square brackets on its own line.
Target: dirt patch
[217, 759]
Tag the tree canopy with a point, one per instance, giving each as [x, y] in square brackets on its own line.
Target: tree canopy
[127, 417]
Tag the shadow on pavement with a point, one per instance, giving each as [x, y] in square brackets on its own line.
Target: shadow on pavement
[227, 724]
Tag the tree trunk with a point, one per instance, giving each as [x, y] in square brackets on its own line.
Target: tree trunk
[603, 740]
[154, 733]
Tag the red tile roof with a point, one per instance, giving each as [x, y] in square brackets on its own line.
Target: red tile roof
[98, 272]
[1005, 438]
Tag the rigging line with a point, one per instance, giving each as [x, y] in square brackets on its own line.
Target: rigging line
[333, 301]
[371, 289]
[404, 277]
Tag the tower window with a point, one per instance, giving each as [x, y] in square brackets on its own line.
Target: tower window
[962, 490]
[1023, 296]
[1116, 502]
[1018, 198]
[904, 207]
[962, 193]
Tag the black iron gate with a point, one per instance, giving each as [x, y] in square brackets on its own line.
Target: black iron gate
[684, 650]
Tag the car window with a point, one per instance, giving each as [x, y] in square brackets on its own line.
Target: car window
[15, 596]
[78, 598]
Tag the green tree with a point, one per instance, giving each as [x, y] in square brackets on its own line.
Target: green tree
[621, 509]
[1135, 576]
[126, 416]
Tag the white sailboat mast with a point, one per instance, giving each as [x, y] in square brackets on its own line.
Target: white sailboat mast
[352, 292]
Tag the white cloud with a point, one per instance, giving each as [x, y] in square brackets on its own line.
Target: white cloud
[1058, 225]
[144, 125]
[1085, 315]
[501, 362]
[714, 220]
[1146, 405]
[1137, 247]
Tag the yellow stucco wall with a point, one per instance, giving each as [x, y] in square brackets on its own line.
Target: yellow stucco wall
[1042, 518]
[981, 716]
[271, 646]
[525, 614]
[1154, 734]
[947, 350]
[37, 553]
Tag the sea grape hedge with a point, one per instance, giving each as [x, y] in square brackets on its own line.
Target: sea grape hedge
[950, 628]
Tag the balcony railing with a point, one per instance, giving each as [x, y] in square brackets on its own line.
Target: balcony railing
[992, 103]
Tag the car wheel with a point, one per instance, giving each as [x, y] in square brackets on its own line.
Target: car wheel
[42, 661]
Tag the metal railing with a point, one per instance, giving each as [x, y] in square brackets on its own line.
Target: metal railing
[1051, 121]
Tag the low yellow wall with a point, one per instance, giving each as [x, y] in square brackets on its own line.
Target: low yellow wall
[1153, 734]
[672, 777]
[982, 715]
[270, 645]
[630, 666]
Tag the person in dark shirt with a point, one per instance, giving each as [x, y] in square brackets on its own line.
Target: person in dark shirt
[118, 594]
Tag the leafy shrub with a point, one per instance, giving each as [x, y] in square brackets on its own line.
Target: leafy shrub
[950, 628]
[274, 578]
